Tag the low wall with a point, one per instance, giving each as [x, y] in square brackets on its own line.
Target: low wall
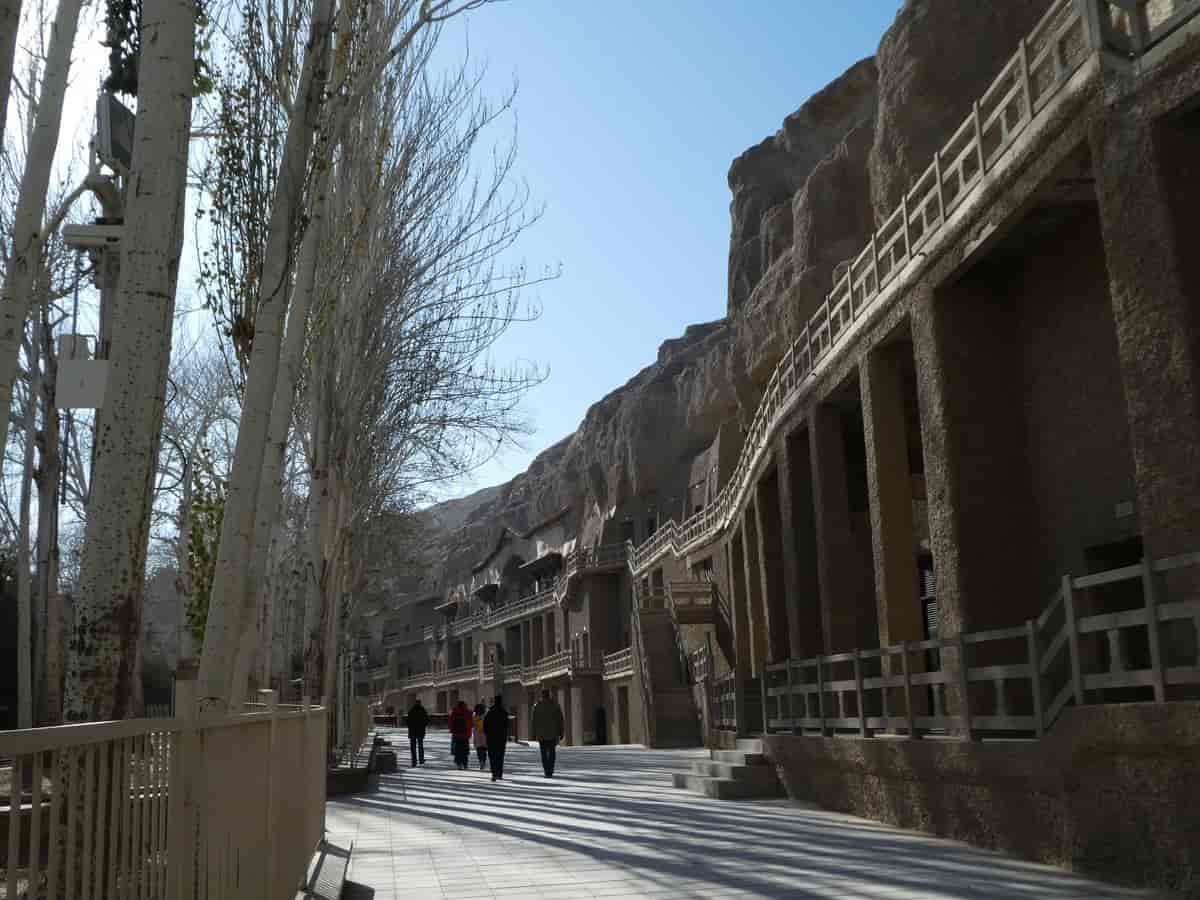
[1112, 791]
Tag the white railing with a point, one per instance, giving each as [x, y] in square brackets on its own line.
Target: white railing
[1132, 27]
[562, 662]
[724, 702]
[580, 561]
[459, 627]
[617, 665]
[218, 809]
[526, 606]
[459, 675]
[1043, 63]
[1034, 670]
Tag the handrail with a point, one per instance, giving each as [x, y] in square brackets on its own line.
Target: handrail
[1041, 646]
[172, 793]
[579, 561]
[1043, 63]
[618, 664]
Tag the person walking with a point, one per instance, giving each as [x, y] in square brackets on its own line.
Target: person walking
[495, 726]
[461, 725]
[548, 729]
[481, 742]
[417, 721]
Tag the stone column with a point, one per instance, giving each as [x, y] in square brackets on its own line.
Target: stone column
[801, 586]
[889, 480]
[835, 546]
[736, 567]
[564, 702]
[755, 608]
[770, 564]
[536, 639]
[1142, 173]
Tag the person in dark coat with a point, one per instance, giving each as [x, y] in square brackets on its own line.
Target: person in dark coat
[461, 725]
[495, 726]
[548, 728]
[417, 721]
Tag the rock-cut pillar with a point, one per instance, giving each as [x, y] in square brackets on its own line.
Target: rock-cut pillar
[1148, 187]
[889, 483]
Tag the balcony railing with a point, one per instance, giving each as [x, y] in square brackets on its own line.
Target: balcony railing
[1132, 27]
[562, 662]
[617, 665]
[1008, 681]
[582, 561]
[1043, 64]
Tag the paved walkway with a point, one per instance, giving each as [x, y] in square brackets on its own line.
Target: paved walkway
[610, 825]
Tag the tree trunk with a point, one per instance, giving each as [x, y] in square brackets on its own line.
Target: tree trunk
[103, 652]
[318, 503]
[270, 488]
[49, 473]
[226, 619]
[10, 19]
[31, 203]
[24, 585]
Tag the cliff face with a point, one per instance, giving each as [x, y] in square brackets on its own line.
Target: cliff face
[803, 203]
[937, 59]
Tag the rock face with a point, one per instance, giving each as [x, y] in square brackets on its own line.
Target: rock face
[631, 444]
[937, 59]
[803, 203]
[765, 178]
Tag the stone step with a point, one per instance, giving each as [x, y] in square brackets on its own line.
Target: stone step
[739, 757]
[725, 788]
[711, 769]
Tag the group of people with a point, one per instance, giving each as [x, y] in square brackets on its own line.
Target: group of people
[487, 729]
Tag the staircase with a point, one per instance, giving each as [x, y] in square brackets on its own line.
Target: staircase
[673, 706]
[740, 774]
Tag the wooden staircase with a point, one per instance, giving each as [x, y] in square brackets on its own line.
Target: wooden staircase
[676, 719]
[740, 774]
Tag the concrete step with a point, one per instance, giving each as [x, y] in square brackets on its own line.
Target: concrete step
[738, 757]
[749, 745]
[711, 769]
[725, 788]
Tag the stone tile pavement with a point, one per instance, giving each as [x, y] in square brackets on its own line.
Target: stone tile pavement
[609, 824]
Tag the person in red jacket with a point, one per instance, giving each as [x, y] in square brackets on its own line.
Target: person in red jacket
[462, 723]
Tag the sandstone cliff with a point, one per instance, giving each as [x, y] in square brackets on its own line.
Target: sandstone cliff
[803, 203]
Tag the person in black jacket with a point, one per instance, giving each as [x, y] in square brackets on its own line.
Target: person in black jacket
[417, 720]
[495, 726]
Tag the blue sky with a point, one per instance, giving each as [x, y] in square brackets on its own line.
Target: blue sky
[628, 115]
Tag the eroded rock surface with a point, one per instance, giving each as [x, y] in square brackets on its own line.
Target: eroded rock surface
[803, 203]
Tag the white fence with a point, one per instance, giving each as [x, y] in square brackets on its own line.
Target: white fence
[1008, 681]
[220, 809]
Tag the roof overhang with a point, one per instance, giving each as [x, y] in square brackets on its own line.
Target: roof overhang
[487, 592]
[547, 562]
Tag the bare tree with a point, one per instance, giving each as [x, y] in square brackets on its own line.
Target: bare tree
[27, 226]
[359, 66]
[102, 659]
[10, 20]
[412, 303]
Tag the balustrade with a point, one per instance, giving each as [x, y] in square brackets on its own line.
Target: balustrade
[1043, 668]
[1043, 63]
[618, 664]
